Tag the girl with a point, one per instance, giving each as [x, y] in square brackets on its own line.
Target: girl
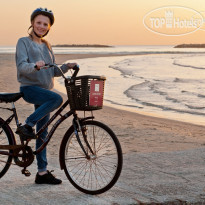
[32, 53]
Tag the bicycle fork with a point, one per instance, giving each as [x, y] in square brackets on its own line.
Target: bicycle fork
[81, 128]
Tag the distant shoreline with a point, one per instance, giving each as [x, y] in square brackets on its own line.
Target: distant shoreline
[190, 46]
[82, 45]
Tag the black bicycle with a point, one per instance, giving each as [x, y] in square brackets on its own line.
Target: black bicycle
[90, 153]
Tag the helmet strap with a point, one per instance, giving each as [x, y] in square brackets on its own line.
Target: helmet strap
[40, 36]
[37, 34]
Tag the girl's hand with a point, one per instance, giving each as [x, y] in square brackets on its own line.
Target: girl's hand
[39, 64]
[71, 65]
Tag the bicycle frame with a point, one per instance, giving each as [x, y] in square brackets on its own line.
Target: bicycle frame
[50, 134]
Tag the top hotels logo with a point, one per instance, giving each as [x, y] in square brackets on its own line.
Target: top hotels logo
[173, 20]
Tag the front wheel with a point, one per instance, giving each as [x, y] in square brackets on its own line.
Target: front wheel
[102, 170]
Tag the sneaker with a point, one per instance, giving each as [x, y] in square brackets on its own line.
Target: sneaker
[47, 179]
[26, 132]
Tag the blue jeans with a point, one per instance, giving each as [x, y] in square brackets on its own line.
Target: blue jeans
[45, 101]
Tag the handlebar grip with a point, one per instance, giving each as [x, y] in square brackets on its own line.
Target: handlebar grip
[45, 66]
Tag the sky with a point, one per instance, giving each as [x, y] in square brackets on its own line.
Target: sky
[107, 22]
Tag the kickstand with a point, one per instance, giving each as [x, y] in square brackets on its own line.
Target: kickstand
[25, 172]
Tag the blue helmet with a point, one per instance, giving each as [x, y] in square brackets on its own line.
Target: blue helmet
[44, 12]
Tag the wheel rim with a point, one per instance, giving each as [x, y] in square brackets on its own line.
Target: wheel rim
[4, 158]
[97, 172]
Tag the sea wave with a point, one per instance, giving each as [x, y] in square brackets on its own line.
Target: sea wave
[116, 50]
[193, 93]
[186, 65]
[190, 61]
[191, 110]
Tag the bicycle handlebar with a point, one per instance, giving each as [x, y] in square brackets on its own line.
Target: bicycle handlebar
[76, 69]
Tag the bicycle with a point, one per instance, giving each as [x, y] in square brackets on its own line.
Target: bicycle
[90, 153]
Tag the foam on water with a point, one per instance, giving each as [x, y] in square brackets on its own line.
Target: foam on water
[165, 85]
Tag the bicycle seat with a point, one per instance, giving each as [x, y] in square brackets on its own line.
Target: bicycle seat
[10, 97]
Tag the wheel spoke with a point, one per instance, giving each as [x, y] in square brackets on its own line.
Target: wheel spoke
[70, 158]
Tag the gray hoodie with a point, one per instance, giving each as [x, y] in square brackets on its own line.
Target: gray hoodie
[27, 54]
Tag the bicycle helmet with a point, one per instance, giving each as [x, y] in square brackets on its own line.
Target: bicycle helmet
[44, 12]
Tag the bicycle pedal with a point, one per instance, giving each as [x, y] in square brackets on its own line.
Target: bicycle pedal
[26, 172]
[24, 138]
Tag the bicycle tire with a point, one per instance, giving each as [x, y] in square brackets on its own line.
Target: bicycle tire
[105, 168]
[6, 138]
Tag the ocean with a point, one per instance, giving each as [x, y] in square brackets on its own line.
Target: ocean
[160, 81]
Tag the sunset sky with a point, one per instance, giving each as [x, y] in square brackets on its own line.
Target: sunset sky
[111, 22]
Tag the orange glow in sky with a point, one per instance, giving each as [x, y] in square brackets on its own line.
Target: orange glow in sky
[111, 22]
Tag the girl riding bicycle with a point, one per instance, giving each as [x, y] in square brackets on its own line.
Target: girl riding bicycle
[32, 53]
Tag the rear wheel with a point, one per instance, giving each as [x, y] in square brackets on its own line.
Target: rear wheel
[5, 139]
[99, 173]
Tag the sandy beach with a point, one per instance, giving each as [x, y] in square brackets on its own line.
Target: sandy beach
[139, 136]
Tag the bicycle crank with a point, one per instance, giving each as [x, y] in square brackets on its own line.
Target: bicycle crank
[24, 157]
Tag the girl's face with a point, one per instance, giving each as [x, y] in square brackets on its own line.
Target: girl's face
[41, 24]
